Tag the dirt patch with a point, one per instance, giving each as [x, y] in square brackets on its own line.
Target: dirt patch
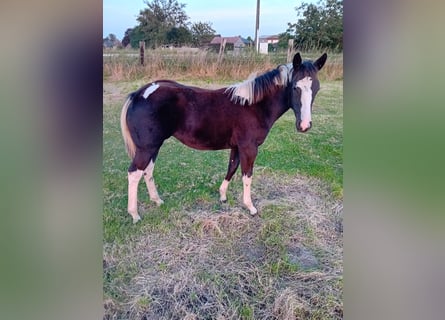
[223, 264]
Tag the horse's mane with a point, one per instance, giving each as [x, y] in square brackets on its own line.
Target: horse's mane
[254, 88]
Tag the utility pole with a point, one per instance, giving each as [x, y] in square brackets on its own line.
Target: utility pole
[257, 26]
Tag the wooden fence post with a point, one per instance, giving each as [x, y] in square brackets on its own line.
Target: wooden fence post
[142, 51]
[221, 49]
[290, 50]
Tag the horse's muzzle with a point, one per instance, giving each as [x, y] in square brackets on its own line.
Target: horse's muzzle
[303, 128]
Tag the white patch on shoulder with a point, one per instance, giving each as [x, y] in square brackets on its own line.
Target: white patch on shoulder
[150, 90]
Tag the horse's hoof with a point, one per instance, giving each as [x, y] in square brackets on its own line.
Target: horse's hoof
[136, 219]
[223, 200]
[255, 215]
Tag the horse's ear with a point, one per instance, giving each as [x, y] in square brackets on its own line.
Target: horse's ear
[321, 61]
[296, 61]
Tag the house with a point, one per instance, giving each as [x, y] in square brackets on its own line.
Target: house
[268, 43]
[235, 44]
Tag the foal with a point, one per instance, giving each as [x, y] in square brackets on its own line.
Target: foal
[238, 118]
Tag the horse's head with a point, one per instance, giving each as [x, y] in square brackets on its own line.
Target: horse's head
[304, 86]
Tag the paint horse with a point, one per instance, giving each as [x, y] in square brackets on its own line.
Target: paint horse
[238, 118]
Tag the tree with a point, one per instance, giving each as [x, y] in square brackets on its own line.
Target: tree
[202, 33]
[179, 36]
[136, 35]
[111, 41]
[333, 17]
[283, 40]
[126, 39]
[321, 26]
[161, 16]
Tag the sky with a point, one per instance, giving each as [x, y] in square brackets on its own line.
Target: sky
[228, 17]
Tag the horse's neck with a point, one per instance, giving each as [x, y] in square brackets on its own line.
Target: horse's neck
[277, 104]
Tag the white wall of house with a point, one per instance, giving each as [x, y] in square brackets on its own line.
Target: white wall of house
[264, 47]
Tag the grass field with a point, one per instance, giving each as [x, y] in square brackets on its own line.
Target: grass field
[195, 258]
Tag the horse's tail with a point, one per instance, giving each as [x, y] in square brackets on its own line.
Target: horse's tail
[129, 143]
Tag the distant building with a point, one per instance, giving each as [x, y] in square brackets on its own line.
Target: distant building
[235, 44]
[268, 43]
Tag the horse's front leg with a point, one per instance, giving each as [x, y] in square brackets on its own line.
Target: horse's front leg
[247, 156]
[247, 181]
[233, 165]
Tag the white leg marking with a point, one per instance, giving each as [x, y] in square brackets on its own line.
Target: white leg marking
[133, 182]
[223, 190]
[306, 100]
[150, 90]
[150, 182]
[246, 195]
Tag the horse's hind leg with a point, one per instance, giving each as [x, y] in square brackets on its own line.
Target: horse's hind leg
[142, 165]
[233, 165]
[133, 182]
[150, 182]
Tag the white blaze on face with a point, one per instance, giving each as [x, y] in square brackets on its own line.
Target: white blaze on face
[305, 85]
[150, 90]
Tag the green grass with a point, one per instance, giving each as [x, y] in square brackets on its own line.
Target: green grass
[186, 177]
[317, 153]
[195, 257]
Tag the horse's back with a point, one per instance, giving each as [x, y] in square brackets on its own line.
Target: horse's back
[200, 118]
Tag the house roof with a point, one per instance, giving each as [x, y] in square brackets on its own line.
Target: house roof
[271, 37]
[233, 40]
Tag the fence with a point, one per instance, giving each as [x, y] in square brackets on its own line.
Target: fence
[183, 63]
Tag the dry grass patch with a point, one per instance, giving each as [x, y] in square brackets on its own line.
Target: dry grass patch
[194, 258]
[203, 65]
[224, 264]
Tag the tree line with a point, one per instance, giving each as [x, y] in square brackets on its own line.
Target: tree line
[320, 26]
[165, 22]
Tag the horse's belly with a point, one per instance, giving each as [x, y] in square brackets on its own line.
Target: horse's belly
[203, 140]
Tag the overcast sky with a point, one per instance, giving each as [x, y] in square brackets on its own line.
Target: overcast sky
[228, 17]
